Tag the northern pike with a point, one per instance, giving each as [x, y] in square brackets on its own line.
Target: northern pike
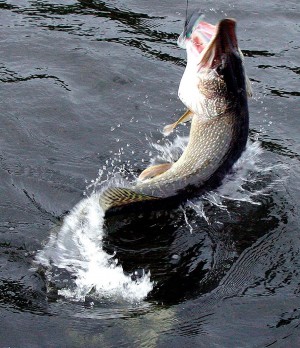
[214, 90]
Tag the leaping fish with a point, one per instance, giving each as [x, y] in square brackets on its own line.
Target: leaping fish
[214, 90]
[200, 33]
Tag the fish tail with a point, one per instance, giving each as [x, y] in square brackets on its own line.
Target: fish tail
[115, 197]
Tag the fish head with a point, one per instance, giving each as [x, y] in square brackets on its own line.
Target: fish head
[214, 79]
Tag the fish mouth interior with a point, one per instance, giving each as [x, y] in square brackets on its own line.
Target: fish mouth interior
[221, 46]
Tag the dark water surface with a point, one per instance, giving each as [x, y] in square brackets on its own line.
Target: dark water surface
[88, 86]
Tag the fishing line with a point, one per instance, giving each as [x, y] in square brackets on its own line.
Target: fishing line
[186, 13]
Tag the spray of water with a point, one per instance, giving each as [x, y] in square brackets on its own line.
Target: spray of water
[77, 247]
[249, 180]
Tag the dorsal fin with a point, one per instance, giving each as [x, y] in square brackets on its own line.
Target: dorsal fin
[119, 196]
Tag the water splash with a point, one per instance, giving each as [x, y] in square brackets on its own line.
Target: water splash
[169, 151]
[249, 180]
[77, 249]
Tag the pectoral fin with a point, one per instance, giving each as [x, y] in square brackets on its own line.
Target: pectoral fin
[154, 171]
[184, 118]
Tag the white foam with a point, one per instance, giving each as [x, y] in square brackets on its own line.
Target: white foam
[170, 151]
[77, 248]
[250, 180]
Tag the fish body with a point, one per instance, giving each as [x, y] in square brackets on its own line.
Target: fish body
[213, 88]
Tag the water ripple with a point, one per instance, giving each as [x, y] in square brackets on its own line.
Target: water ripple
[10, 76]
[125, 22]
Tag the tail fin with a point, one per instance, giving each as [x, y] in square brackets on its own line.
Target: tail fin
[119, 196]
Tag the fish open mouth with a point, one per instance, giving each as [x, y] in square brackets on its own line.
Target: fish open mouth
[210, 44]
[223, 44]
[196, 31]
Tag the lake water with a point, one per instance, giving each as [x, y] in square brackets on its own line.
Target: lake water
[86, 88]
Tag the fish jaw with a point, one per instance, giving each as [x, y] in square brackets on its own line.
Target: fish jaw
[223, 56]
[223, 44]
[196, 31]
[215, 75]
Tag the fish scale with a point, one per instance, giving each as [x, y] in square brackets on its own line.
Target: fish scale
[209, 142]
[214, 89]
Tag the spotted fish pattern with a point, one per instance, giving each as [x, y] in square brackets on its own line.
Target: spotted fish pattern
[216, 95]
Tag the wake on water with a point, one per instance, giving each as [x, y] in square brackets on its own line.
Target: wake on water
[76, 249]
